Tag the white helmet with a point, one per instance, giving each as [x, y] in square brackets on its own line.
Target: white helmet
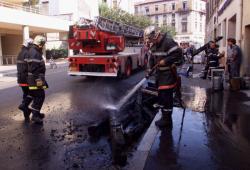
[151, 32]
[27, 42]
[39, 40]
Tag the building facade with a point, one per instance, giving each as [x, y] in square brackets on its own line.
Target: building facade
[19, 22]
[187, 17]
[230, 19]
[73, 10]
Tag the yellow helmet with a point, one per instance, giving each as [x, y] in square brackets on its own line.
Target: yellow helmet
[39, 40]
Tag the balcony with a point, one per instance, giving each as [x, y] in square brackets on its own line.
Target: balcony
[16, 4]
[183, 10]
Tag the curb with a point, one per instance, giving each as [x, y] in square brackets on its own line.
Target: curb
[141, 154]
[14, 71]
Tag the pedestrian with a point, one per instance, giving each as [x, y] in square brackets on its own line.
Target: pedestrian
[36, 77]
[167, 53]
[22, 74]
[234, 56]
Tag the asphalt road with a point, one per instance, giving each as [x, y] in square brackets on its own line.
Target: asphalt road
[71, 105]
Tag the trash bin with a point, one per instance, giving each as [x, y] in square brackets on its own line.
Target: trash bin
[235, 83]
[217, 82]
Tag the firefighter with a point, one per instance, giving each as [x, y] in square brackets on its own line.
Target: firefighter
[166, 53]
[213, 56]
[36, 77]
[22, 73]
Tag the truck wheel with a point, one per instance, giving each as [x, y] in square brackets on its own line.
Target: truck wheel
[119, 73]
[128, 68]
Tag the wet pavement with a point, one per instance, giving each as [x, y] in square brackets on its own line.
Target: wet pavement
[215, 132]
[71, 105]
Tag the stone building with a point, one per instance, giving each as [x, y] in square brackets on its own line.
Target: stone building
[230, 19]
[187, 17]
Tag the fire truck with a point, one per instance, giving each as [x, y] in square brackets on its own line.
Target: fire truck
[105, 48]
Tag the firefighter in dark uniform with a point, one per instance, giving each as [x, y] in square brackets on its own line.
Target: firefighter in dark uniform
[213, 56]
[166, 53]
[22, 74]
[36, 77]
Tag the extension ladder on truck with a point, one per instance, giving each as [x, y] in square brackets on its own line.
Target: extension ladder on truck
[118, 28]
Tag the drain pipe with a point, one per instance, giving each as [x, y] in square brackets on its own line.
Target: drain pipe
[241, 42]
[241, 23]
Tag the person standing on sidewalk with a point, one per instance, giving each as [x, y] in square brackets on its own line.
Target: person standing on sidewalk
[22, 74]
[167, 53]
[36, 78]
[234, 58]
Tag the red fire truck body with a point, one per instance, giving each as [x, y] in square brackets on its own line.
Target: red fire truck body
[105, 48]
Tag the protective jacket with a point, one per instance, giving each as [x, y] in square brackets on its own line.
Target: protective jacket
[168, 50]
[36, 69]
[22, 66]
[213, 57]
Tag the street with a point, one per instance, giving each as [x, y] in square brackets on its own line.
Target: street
[213, 134]
[71, 105]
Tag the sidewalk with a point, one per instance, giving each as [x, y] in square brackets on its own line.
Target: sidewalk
[10, 70]
[214, 133]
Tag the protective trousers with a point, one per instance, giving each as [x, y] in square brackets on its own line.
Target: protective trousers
[38, 99]
[27, 98]
[165, 99]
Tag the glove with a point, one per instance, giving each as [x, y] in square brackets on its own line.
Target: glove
[39, 82]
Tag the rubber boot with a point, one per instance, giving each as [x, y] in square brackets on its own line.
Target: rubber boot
[26, 111]
[36, 117]
[165, 121]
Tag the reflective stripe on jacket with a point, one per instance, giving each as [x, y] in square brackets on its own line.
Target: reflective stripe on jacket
[22, 66]
[168, 50]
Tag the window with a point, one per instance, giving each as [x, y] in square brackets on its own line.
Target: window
[156, 19]
[200, 27]
[173, 24]
[184, 5]
[164, 19]
[136, 10]
[173, 16]
[184, 26]
[184, 23]
[173, 6]
[156, 8]
[147, 10]
[164, 7]
[195, 25]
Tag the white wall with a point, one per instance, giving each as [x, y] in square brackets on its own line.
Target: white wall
[18, 17]
[78, 8]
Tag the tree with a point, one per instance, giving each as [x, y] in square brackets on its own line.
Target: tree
[168, 29]
[119, 15]
[31, 3]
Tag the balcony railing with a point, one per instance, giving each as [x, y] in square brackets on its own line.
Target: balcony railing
[9, 59]
[22, 8]
[183, 9]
